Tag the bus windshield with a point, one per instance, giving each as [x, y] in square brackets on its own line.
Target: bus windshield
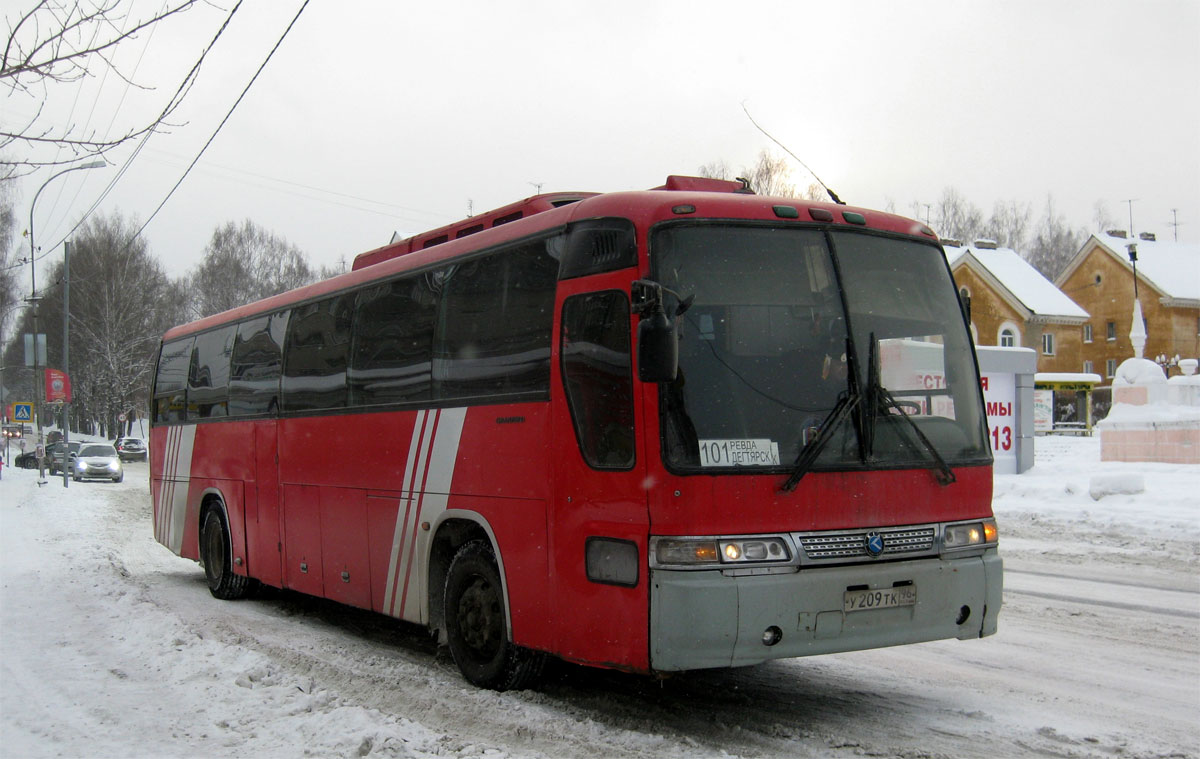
[847, 341]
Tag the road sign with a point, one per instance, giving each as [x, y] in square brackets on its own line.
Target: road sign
[22, 412]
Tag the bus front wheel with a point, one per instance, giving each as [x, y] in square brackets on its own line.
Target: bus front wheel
[475, 623]
[216, 557]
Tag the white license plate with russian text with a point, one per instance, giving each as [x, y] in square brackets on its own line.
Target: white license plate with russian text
[883, 598]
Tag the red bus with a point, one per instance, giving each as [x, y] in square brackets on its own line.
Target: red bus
[655, 431]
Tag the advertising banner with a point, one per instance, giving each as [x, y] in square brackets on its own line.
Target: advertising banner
[58, 386]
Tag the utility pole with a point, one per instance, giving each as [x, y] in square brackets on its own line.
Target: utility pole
[1175, 222]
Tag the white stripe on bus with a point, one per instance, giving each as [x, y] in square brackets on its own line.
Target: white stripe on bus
[433, 453]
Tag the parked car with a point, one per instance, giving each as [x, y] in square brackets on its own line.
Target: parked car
[99, 461]
[131, 449]
[54, 461]
[26, 460]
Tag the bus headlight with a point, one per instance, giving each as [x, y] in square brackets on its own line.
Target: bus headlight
[970, 534]
[753, 549]
[701, 551]
[686, 551]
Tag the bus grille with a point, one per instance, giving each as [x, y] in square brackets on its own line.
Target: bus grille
[853, 545]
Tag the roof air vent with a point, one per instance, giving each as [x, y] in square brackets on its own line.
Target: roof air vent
[986, 244]
[950, 242]
[1147, 236]
[1117, 233]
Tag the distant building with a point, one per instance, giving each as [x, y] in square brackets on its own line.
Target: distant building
[1100, 279]
[1013, 305]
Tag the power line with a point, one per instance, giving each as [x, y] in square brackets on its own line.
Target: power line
[222, 124]
[172, 104]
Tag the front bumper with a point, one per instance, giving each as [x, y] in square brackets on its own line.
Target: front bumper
[703, 619]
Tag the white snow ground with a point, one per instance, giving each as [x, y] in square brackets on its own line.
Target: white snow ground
[112, 647]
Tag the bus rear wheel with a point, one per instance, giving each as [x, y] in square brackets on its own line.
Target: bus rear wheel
[475, 624]
[216, 557]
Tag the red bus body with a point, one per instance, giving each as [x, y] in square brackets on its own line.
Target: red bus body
[367, 507]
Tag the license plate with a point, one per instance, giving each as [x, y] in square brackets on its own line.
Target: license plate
[884, 598]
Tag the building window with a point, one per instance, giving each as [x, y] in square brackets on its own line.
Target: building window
[1047, 343]
[1087, 333]
[1088, 367]
[1111, 329]
[1110, 368]
[1008, 338]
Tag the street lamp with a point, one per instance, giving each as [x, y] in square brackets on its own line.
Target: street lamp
[1132, 248]
[96, 164]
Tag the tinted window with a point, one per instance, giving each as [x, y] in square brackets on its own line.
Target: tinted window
[208, 374]
[318, 345]
[493, 336]
[393, 339]
[170, 383]
[597, 377]
[257, 360]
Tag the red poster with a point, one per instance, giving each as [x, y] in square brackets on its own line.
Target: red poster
[58, 386]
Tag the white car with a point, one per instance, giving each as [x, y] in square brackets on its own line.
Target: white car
[98, 461]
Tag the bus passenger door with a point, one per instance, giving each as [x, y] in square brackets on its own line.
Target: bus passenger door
[599, 519]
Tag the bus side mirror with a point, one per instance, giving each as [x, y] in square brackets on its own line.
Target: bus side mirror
[658, 349]
[657, 346]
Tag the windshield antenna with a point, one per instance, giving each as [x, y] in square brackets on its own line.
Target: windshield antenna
[824, 186]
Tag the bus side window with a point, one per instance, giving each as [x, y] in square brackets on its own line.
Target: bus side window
[208, 375]
[494, 326]
[314, 362]
[170, 382]
[393, 342]
[257, 360]
[598, 377]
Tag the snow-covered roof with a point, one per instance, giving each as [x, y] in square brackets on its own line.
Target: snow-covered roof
[1015, 277]
[1172, 268]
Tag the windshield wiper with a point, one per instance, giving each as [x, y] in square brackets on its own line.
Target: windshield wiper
[882, 403]
[808, 454]
[847, 402]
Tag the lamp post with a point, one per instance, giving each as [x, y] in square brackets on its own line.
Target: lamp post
[96, 164]
[1137, 332]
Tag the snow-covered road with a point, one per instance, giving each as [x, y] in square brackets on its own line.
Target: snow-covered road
[111, 646]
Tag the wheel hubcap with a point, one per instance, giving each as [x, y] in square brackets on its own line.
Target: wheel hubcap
[214, 557]
[479, 617]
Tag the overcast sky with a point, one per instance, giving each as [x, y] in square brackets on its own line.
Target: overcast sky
[375, 117]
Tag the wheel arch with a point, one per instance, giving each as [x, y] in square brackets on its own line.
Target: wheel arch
[211, 498]
[451, 530]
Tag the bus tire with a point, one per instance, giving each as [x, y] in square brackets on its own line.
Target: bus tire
[216, 557]
[475, 623]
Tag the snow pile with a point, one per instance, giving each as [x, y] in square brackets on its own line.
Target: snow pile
[1116, 484]
[1139, 371]
[110, 646]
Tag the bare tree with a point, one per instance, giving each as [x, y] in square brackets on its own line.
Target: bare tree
[8, 262]
[717, 170]
[121, 303]
[768, 176]
[957, 217]
[1054, 242]
[1009, 224]
[58, 41]
[1102, 219]
[244, 263]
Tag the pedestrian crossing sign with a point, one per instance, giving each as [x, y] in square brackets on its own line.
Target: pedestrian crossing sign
[21, 412]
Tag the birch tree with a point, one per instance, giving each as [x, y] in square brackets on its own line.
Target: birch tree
[244, 263]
